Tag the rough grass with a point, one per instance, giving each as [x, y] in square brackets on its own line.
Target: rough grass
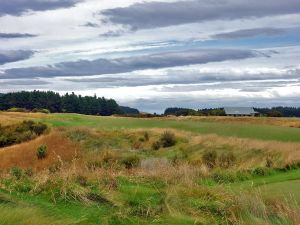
[89, 183]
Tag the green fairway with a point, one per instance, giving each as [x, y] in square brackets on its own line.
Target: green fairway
[283, 185]
[262, 132]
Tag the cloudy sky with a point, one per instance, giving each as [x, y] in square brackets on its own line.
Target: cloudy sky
[153, 54]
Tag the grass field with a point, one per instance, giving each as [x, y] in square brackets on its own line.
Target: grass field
[255, 131]
[108, 170]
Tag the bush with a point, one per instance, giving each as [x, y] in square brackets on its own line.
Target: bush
[260, 171]
[42, 151]
[17, 110]
[131, 161]
[141, 139]
[16, 172]
[209, 158]
[168, 139]
[227, 160]
[39, 128]
[156, 145]
[46, 111]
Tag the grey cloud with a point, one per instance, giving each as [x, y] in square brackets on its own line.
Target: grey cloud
[16, 35]
[27, 82]
[129, 64]
[13, 56]
[177, 77]
[117, 33]
[149, 15]
[251, 33]
[90, 24]
[17, 7]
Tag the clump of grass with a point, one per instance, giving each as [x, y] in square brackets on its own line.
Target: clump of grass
[226, 160]
[168, 139]
[42, 151]
[209, 158]
[16, 172]
[156, 145]
[131, 161]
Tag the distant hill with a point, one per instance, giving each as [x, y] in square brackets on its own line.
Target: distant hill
[129, 110]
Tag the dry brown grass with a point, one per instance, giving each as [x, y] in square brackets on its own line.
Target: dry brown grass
[8, 118]
[245, 148]
[287, 122]
[24, 155]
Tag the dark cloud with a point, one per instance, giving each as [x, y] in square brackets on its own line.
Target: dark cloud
[27, 82]
[15, 35]
[251, 33]
[13, 56]
[179, 77]
[149, 15]
[17, 7]
[129, 64]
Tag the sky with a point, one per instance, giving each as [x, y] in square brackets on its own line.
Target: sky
[154, 54]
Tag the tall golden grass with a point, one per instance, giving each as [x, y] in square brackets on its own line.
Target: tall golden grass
[24, 155]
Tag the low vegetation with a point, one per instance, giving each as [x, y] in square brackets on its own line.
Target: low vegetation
[21, 132]
[128, 171]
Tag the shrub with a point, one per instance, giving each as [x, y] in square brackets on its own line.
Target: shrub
[227, 160]
[42, 151]
[168, 139]
[209, 158]
[46, 111]
[156, 145]
[131, 161]
[141, 139]
[16, 172]
[14, 109]
[260, 171]
[3, 141]
[39, 128]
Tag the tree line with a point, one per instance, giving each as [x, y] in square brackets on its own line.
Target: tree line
[270, 112]
[191, 112]
[68, 103]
